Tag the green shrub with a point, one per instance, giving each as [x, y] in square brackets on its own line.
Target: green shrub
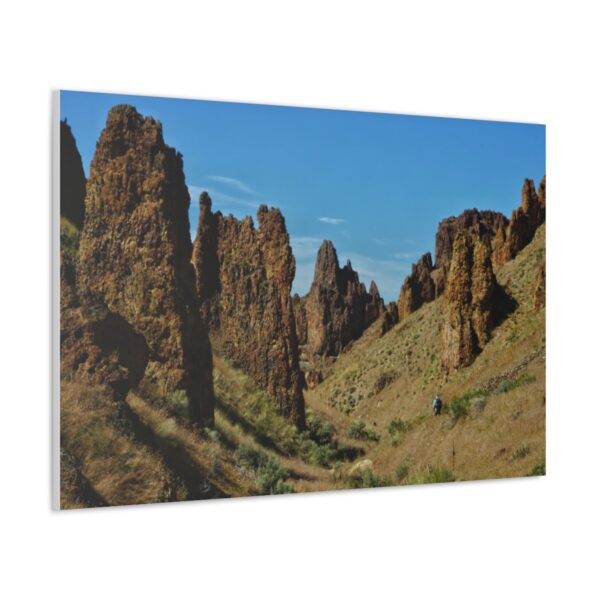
[366, 478]
[434, 475]
[539, 469]
[269, 475]
[179, 403]
[458, 408]
[359, 431]
[521, 452]
[401, 473]
[506, 385]
[319, 430]
[398, 426]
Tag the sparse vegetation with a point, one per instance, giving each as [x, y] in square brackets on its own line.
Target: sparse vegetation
[538, 469]
[366, 478]
[269, 475]
[179, 403]
[434, 475]
[520, 452]
[359, 431]
[401, 473]
[507, 385]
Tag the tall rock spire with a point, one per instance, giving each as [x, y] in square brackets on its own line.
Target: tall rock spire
[135, 254]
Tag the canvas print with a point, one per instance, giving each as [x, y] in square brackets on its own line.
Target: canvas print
[263, 300]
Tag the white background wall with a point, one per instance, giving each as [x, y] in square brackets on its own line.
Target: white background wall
[506, 60]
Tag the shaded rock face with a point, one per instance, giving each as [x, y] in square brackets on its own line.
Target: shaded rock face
[244, 281]
[418, 288]
[135, 255]
[72, 178]
[523, 223]
[473, 302]
[539, 294]
[338, 308]
[482, 224]
[390, 318]
[300, 319]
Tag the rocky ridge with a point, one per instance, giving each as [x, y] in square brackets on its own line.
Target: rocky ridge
[244, 278]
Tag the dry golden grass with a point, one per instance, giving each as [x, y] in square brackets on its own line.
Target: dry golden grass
[119, 469]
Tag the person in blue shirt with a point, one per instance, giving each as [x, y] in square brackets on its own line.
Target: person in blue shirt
[437, 405]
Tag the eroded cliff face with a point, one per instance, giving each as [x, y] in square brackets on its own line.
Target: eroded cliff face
[72, 178]
[482, 224]
[418, 288]
[244, 281]
[523, 223]
[134, 261]
[335, 312]
[473, 302]
[338, 307]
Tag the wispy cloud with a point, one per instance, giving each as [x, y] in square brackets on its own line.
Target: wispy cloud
[221, 200]
[233, 183]
[305, 247]
[332, 220]
[406, 255]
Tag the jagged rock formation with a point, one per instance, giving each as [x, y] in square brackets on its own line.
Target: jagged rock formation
[72, 178]
[337, 307]
[473, 302]
[390, 318]
[335, 312]
[135, 258]
[523, 224]
[418, 287]
[483, 224]
[244, 281]
[539, 295]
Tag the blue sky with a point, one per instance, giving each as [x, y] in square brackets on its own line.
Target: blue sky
[375, 184]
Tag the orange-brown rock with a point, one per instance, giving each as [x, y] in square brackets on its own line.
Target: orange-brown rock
[418, 287]
[539, 294]
[338, 308]
[72, 178]
[483, 224]
[523, 223]
[135, 256]
[473, 302]
[244, 281]
[389, 319]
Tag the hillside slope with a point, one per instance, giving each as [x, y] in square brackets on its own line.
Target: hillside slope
[494, 416]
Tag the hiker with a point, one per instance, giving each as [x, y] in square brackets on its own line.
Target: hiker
[437, 405]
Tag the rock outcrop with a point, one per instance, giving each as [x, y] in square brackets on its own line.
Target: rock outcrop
[418, 287]
[473, 302]
[390, 318]
[523, 223]
[134, 263]
[539, 294]
[482, 224]
[338, 307]
[334, 313]
[72, 178]
[244, 279]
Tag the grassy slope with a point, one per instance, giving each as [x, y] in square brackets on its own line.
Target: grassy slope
[506, 439]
